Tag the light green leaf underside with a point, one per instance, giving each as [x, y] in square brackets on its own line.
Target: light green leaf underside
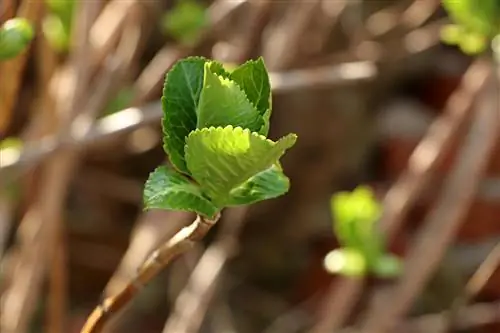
[221, 159]
[268, 184]
[253, 78]
[167, 189]
[222, 103]
[180, 99]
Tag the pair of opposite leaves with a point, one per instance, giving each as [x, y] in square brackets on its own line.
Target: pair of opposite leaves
[477, 23]
[363, 251]
[215, 125]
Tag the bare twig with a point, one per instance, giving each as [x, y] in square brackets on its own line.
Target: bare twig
[192, 304]
[445, 218]
[162, 256]
[474, 286]
[423, 161]
[132, 118]
[12, 70]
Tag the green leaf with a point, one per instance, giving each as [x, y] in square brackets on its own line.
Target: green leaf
[264, 130]
[221, 159]
[355, 215]
[268, 184]
[253, 78]
[15, 36]
[346, 261]
[167, 189]
[387, 266]
[472, 43]
[222, 103]
[181, 94]
[476, 16]
[185, 21]
[451, 34]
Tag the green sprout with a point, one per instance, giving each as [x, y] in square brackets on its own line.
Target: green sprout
[362, 246]
[476, 23]
[15, 36]
[58, 23]
[185, 21]
[215, 127]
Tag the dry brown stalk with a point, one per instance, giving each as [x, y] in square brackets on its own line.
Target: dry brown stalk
[192, 303]
[411, 184]
[446, 216]
[161, 257]
[12, 70]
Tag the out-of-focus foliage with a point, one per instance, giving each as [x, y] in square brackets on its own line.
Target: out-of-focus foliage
[15, 36]
[185, 21]
[476, 24]
[57, 25]
[355, 217]
[121, 101]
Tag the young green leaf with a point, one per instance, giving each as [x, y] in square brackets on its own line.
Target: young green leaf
[387, 266]
[222, 103]
[480, 17]
[253, 78]
[266, 118]
[221, 159]
[181, 95]
[185, 21]
[15, 36]
[167, 189]
[346, 261]
[268, 184]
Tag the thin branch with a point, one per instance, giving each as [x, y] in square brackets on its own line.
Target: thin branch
[127, 120]
[411, 184]
[157, 261]
[444, 220]
[475, 284]
[192, 303]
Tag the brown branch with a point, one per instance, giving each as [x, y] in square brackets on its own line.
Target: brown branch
[192, 303]
[444, 220]
[161, 257]
[475, 284]
[127, 120]
[411, 184]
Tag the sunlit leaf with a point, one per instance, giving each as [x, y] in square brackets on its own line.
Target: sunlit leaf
[268, 184]
[167, 189]
[221, 159]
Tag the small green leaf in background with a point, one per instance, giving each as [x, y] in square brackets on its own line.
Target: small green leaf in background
[15, 36]
[185, 21]
[355, 217]
[348, 262]
[167, 189]
[121, 101]
[215, 123]
[476, 24]
[58, 23]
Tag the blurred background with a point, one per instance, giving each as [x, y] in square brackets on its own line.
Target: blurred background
[362, 83]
